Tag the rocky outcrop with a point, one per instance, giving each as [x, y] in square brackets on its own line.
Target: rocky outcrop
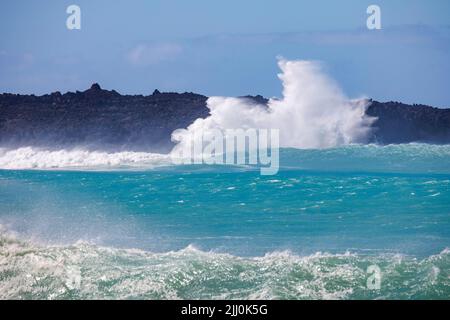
[401, 123]
[98, 118]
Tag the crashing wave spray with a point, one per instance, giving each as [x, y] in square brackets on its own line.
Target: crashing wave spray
[313, 113]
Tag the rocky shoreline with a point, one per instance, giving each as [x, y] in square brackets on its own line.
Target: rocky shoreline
[102, 118]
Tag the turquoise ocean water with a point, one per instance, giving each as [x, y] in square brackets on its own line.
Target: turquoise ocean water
[209, 232]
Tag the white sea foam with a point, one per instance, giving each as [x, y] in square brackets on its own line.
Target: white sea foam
[391, 158]
[30, 271]
[37, 158]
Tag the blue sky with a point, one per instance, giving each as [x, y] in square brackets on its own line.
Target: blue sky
[226, 47]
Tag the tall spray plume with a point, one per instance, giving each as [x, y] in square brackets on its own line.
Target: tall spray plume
[312, 113]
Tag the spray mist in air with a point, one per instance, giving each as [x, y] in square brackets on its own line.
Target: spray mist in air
[312, 113]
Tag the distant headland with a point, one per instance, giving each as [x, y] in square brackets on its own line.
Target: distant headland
[97, 117]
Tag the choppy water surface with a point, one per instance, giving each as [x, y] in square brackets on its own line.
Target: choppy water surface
[161, 231]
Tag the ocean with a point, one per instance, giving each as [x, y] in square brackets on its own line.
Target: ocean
[77, 224]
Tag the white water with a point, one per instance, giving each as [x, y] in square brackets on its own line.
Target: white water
[313, 112]
[85, 271]
[37, 158]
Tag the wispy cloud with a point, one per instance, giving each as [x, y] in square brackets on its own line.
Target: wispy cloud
[16, 60]
[404, 34]
[154, 53]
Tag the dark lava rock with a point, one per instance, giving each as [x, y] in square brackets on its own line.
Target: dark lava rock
[102, 119]
[97, 119]
[401, 123]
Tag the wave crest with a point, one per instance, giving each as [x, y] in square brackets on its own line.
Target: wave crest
[28, 271]
[36, 158]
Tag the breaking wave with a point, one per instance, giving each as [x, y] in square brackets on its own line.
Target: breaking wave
[412, 157]
[37, 158]
[313, 113]
[86, 271]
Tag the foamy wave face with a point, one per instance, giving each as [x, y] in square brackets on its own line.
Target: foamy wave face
[313, 113]
[36, 158]
[391, 158]
[84, 271]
